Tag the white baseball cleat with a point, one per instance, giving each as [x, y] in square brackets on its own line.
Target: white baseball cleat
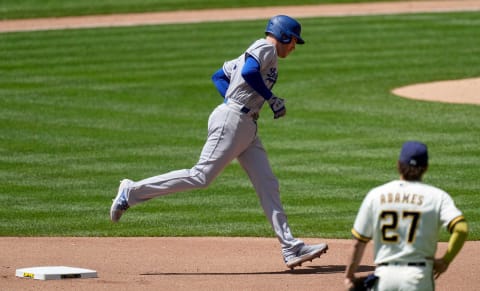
[120, 203]
[305, 253]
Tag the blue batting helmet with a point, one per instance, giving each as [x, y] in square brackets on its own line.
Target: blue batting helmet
[283, 28]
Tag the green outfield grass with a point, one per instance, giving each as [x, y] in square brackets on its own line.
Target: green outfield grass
[82, 109]
[55, 8]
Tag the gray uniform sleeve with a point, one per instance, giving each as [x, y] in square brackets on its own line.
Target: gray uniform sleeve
[238, 90]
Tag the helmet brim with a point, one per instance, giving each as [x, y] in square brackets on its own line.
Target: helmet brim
[299, 39]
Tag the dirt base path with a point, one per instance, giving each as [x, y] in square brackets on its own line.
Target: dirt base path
[217, 263]
[239, 14]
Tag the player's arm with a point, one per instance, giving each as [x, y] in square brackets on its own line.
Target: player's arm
[459, 230]
[251, 74]
[221, 81]
[357, 251]
[253, 77]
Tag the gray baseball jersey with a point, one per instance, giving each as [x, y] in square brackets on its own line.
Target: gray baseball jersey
[238, 90]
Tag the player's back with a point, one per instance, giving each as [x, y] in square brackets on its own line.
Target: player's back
[406, 220]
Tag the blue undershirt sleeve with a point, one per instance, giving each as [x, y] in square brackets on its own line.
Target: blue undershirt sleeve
[251, 74]
[221, 82]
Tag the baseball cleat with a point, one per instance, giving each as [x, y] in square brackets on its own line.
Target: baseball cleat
[120, 203]
[305, 253]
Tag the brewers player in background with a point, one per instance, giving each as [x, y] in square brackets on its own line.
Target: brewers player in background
[245, 84]
[403, 218]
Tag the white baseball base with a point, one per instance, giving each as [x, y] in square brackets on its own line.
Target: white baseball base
[55, 273]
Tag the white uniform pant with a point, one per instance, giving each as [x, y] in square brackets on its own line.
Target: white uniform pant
[231, 134]
[405, 278]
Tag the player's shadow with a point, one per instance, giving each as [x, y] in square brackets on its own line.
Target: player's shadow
[329, 269]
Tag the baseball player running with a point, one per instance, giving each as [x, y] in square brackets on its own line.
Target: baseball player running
[245, 83]
[403, 218]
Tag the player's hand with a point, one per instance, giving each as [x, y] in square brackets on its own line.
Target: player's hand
[349, 284]
[439, 267]
[278, 106]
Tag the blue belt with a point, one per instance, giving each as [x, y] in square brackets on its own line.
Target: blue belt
[245, 110]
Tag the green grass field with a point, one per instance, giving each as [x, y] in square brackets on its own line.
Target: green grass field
[82, 109]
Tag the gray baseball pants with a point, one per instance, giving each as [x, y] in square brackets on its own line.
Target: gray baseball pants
[231, 134]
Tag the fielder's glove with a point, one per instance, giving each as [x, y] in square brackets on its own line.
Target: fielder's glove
[364, 283]
[278, 106]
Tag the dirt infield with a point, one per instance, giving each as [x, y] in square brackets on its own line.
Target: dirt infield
[466, 91]
[219, 263]
[191, 16]
[165, 263]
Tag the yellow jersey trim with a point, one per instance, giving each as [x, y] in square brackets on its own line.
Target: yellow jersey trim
[454, 221]
[359, 236]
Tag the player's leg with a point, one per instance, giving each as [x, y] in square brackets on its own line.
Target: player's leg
[229, 133]
[403, 277]
[419, 277]
[210, 164]
[255, 162]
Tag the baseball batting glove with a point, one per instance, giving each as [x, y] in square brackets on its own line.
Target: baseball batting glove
[278, 106]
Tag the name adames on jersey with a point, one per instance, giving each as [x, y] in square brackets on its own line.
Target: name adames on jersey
[405, 198]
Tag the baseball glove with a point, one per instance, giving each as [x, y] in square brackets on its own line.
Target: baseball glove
[364, 283]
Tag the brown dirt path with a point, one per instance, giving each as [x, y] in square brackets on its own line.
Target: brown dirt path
[466, 91]
[208, 263]
[215, 263]
[190, 16]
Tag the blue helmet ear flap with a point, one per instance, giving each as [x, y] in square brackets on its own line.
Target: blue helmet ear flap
[285, 38]
[284, 28]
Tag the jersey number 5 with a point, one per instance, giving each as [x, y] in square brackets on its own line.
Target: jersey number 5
[389, 223]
